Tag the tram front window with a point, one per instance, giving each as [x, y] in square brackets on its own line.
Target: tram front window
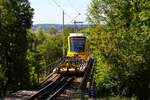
[77, 44]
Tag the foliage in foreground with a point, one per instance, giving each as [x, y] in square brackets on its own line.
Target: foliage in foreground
[116, 98]
[122, 47]
[15, 19]
[43, 49]
[23, 54]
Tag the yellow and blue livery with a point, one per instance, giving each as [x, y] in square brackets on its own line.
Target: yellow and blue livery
[77, 45]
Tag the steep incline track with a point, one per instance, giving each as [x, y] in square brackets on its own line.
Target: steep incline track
[49, 80]
[51, 90]
[78, 89]
[45, 90]
[60, 87]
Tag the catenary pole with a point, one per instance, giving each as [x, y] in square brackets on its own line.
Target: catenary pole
[63, 33]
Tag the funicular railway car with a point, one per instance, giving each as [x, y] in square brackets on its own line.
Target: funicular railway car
[77, 54]
[77, 45]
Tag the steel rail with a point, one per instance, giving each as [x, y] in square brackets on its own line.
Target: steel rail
[49, 80]
[43, 91]
[60, 88]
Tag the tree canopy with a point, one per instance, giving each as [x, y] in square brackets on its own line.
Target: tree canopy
[52, 30]
[15, 18]
[121, 46]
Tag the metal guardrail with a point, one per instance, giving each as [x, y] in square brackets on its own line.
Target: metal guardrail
[86, 76]
[50, 67]
[46, 70]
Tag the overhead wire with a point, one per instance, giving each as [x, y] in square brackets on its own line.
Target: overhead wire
[59, 6]
[72, 6]
[74, 18]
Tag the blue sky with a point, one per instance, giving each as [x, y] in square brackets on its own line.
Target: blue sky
[46, 11]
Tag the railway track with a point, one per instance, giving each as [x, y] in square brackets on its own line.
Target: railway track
[61, 86]
[49, 80]
[79, 88]
[51, 90]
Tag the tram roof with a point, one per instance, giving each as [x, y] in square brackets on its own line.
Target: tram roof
[77, 34]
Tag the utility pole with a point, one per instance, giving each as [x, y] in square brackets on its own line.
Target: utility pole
[76, 25]
[63, 33]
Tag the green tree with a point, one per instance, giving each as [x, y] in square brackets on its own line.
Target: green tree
[34, 56]
[122, 46]
[43, 50]
[15, 20]
[52, 30]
